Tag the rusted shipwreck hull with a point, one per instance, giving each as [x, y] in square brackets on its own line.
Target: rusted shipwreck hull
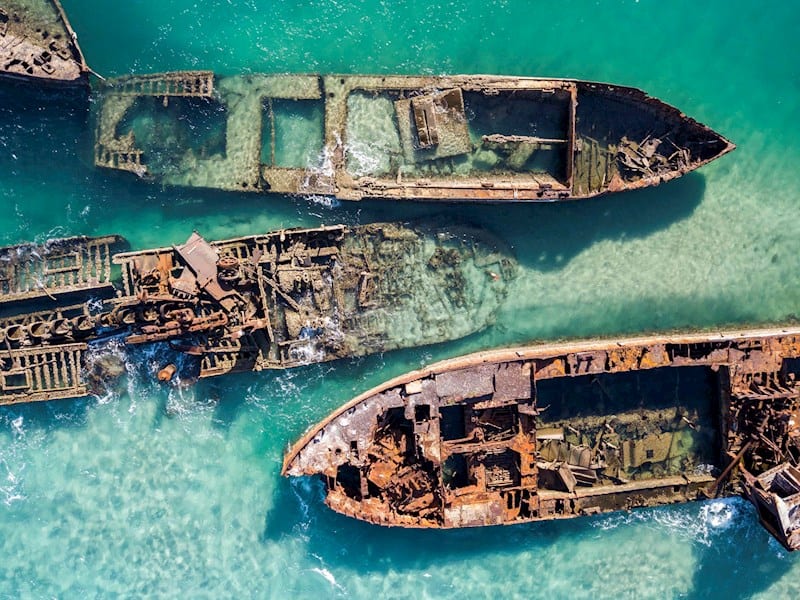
[269, 301]
[470, 137]
[38, 44]
[557, 431]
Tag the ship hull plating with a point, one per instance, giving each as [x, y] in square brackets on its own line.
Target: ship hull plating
[466, 138]
[558, 431]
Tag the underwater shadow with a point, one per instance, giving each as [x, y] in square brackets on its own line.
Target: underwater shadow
[229, 396]
[547, 236]
[233, 212]
[298, 508]
[740, 570]
[292, 210]
[20, 97]
[636, 316]
[226, 408]
[38, 120]
[725, 566]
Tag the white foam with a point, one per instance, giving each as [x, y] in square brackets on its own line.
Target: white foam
[12, 491]
[718, 514]
[362, 159]
[327, 575]
[16, 425]
[687, 521]
[328, 202]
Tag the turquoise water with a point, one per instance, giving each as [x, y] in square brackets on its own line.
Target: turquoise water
[176, 492]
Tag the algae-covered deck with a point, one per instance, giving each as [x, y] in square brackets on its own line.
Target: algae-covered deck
[469, 137]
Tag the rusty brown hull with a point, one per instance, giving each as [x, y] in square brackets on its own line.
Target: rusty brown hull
[564, 430]
[270, 301]
[462, 138]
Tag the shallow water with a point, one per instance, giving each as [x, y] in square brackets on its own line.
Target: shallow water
[176, 492]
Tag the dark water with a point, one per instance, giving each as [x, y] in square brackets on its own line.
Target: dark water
[176, 492]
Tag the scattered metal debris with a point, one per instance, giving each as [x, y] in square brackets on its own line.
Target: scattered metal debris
[38, 43]
[563, 430]
[480, 138]
[269, 301]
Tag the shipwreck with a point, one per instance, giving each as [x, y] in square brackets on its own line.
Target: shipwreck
[569, 429]
[38, 44]
[469, 137]
[271, 301]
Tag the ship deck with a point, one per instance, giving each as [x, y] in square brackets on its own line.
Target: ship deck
[470, 137]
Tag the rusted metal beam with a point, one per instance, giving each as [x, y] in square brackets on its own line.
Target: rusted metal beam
[497, 445]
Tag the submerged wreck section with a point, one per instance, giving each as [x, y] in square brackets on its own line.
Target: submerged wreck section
[37, 43]
[564, 430]
[308, 295]
[480, 138]
[50, 296]
[59, 266]
[269, 301]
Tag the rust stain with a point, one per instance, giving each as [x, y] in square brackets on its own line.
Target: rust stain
[270, 301]
[493, 438]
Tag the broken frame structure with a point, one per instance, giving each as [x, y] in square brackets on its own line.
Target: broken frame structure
[270, 301]
[469, 137]
[557, 431]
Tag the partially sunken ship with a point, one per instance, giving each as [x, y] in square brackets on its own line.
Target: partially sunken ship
[471, 137]
[271, 301]
[499, 437]
[558, 431]
[38, 44]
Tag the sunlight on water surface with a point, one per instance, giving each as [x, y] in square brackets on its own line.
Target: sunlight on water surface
[177, 491]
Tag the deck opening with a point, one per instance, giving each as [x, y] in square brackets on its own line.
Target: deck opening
[646, 425]
[372, 138]
[452, 422]
[15, 381]
[445, 134]
[349, 478]
[455, 472]
[173, 132]
[292, 132]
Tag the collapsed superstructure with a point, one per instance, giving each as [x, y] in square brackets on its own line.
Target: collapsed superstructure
[38, 44]
[466, 137]
[556, 431]
[269, 301]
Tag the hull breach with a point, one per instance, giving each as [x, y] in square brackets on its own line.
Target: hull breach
[560, 431]
[269, 301]
[473, 138]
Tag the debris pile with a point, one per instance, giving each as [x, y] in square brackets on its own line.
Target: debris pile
[564, 430]
[269, 301]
